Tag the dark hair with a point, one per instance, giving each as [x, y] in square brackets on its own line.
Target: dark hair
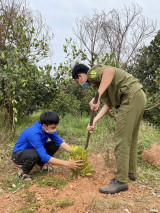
[49, 118]
[79, 68]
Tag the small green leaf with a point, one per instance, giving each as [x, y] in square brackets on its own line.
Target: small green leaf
[14, 110]
[15, 119]
[2, 55]
[88, 174]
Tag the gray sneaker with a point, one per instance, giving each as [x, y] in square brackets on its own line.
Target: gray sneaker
[132, 176]
[113, 187]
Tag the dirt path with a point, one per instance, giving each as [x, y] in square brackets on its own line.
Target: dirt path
[82, 195]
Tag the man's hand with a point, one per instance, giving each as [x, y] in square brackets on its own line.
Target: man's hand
[93, 106]
[73, 164]
[91, 128]
[70, 163]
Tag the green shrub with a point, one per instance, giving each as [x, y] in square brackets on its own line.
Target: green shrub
[78, 153]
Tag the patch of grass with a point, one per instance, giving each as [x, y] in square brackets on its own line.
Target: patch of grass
[148, 134]
[30, 197]
[7, 185]
[64, 203]
[149, 174]
[6, 146]
[73, 129]
[52, 181]
[37, 178]
[40, 178]
[62, 154]
[26, 121]
[19, 183]
[148, 166]
[52, 210]
[144, 145]
[48, 202]
[5, 152]
[98, 205]
[24, 210]
[30, 203]
[28, 208]
[101, 140]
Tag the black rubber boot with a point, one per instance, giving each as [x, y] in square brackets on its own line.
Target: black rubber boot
[113, 187]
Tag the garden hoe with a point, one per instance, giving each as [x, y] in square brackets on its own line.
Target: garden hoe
[92, 118]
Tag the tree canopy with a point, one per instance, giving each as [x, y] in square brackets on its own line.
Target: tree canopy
[120, 33]
[24, 41]
[147, 70]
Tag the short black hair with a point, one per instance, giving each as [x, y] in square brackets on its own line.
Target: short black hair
[79, 68]
[48, 118]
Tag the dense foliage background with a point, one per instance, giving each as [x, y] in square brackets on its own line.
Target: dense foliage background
[25, 41]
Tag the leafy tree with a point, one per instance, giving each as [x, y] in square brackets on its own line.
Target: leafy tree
[72, 98]
[24, 40]
[147, 69]
[38, 93]
[24, 30]
[73, 53]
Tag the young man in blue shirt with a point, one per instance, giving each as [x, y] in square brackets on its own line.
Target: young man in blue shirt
[33, 147]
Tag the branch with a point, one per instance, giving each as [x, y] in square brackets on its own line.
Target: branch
[152, 106]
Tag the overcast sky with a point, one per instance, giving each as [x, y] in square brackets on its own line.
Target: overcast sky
[60, 16]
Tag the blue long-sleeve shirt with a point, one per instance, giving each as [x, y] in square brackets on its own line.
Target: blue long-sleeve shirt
[33, 137]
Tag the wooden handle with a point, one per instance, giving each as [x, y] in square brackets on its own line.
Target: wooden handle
[92, 118]
[93, 112]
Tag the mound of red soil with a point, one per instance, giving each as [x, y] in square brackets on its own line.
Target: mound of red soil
[152, 155]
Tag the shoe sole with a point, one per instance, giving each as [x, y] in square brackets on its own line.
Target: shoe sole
[133, 179]
[123, 190]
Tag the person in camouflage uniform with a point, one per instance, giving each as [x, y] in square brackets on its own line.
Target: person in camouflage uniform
[118, 89]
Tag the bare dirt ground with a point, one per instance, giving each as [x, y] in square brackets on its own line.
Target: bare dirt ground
[82, 194]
